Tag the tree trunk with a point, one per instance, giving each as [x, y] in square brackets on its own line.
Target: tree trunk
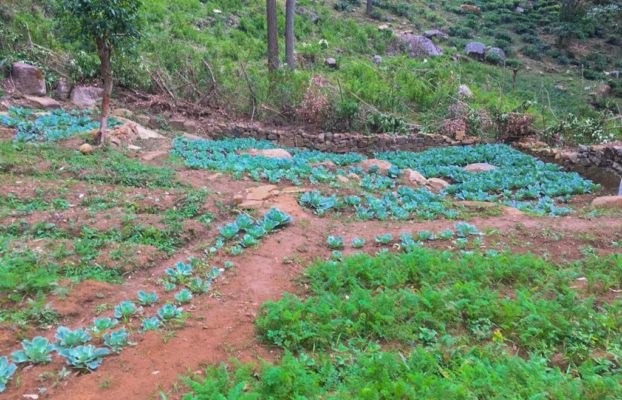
[290, 12]
[104, 51]
[368, 7]
[273, 44]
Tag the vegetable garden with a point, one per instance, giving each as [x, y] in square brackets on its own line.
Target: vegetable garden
[125, 278]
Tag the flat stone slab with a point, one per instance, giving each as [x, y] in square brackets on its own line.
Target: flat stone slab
[607, 202]
[479, 167]
[269, 153]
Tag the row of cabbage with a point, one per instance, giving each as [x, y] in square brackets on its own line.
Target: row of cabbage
[57, 124]
[519, 180]
[74, 345]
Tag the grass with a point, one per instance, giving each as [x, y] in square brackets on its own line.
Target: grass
[436, 324]
[188, 44]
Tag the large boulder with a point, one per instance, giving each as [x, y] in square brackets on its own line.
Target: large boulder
[28, 79]
[476, 50]
[419, 46]
[86, 96]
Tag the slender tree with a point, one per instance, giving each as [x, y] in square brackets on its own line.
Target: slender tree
[368, 7]
[273, 44]
[109, 25]
[290, 13]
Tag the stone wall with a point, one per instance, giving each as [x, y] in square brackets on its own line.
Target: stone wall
[600, 163]
[336, 142]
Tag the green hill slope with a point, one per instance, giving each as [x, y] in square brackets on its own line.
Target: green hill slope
[213, 53]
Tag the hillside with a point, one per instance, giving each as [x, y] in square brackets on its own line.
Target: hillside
[427, 207]
[213, 54]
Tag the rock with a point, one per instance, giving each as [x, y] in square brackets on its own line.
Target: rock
[331, 63]
[238, 199]
[471, 8]
[122, 112]
[86, 96]
[342, 179]
[177, 124]
[308, 13]
[190, 136]
[269, 153]
[325, 164]
[62, 90]
[294, 189]
[86, 149]
[602, 90]
[377, 59]
[435, 33]
[133, 147]
[260, 192]
[354, 177]
[479, 167]
[251, 205]
[437, 184]
[41, 102]
[607, 202]
[214, 177]
[465, 91]
[615, 74]
[153, 155]
[382, 165]
[146, 133]
[384, 27]
[497, 53]
[191, 126]
[28, 79]
[412, 177]
[476, 50]
[519, 10]
[419, 46]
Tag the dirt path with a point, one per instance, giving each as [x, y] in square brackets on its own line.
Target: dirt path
[220, 327]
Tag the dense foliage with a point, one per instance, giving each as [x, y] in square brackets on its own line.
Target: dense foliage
[431, 324]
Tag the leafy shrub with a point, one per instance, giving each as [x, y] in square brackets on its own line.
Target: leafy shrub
[382, 123]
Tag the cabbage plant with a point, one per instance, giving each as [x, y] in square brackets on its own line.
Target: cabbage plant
[35, 351]
[116, 340]
[85, 357]
[7, 369]
[70, 338]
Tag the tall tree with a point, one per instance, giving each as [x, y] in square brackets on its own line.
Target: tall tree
[368, 7]
[290, 13]
[109, 25]
[273, 44]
